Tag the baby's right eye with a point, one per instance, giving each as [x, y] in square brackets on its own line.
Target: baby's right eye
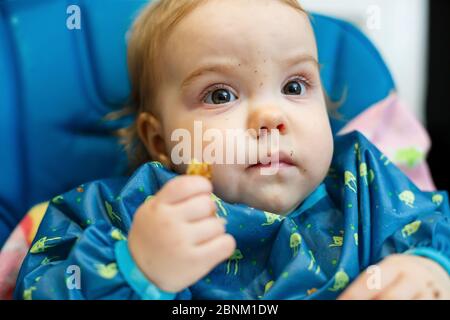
[219, 96]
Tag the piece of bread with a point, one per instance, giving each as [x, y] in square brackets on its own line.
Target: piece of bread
[199, 169]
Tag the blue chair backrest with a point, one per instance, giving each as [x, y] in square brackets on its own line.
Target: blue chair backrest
[56, 86]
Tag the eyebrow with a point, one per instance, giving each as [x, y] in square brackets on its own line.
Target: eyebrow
[212, 68]
[301, 58]
[226, 67]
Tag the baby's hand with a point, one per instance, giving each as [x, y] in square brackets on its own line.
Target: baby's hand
[175, 238]
[402, 277]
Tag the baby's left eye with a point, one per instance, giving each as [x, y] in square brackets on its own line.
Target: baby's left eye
[295, 88]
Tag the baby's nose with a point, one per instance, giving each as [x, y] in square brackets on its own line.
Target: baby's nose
[263, 120]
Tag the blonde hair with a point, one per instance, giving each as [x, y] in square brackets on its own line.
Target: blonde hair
[145, 43]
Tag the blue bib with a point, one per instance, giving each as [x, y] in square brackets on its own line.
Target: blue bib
[365, 209]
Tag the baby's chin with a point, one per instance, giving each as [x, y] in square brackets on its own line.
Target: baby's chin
[280, 201]
[278, 205]
[279, 195]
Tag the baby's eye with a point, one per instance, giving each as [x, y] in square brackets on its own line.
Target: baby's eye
[295, 88]
[219, 96]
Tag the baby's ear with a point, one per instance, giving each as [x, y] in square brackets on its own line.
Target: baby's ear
[150, 132]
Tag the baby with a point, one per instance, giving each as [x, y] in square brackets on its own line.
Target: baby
[302, 231]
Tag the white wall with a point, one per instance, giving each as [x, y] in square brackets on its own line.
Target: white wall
[399, 29]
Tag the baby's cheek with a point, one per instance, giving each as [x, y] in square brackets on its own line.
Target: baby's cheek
[317, 167]
[225, 180]
[318, 152]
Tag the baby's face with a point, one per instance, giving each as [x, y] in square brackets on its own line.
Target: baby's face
[249, 65]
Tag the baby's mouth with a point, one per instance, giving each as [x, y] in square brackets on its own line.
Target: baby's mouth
[278, 160]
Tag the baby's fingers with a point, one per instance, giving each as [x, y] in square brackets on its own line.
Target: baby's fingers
[207, 229]
[433, 291]
[401, 289]
[217, 250]
[197, 208]
[184, 187]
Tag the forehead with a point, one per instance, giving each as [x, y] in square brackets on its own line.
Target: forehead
[239, 31]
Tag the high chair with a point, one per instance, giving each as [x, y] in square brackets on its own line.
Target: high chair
[58, 83]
